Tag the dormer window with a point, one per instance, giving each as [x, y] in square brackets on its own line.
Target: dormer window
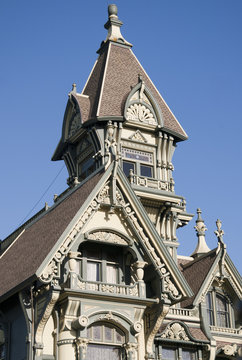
[218, 309]
[140, 162]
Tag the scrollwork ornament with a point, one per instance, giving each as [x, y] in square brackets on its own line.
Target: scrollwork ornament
[171, 288]
[230, 350]
[175, 331]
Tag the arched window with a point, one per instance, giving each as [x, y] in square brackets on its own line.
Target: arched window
[218, 309]
[105, 342]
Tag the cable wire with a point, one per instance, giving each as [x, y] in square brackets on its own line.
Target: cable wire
[52, 182]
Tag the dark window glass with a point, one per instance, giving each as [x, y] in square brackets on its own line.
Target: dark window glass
[127, 166]
[210, 308]
[146, 170]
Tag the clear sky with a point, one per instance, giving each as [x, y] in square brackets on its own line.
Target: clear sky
[192, 50]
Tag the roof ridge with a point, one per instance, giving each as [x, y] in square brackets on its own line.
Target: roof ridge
[188, 264]
[103, 78]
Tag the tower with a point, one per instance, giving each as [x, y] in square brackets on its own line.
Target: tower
[97, 274]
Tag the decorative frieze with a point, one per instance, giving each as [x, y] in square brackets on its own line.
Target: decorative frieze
[131, 290]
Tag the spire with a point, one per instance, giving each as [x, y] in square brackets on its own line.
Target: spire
[113, 26]
[200, 227]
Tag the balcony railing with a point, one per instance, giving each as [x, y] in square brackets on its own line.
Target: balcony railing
[226, 330]
[180, 312]
[137, 289]
[151, 183]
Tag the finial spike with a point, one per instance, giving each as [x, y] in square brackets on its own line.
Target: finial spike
[200, 228]
[74, 88]
[219, 232]
[113, 26]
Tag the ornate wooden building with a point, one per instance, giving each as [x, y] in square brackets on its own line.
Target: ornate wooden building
[97, 275]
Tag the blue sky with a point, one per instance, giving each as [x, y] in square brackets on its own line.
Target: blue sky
[192, 51]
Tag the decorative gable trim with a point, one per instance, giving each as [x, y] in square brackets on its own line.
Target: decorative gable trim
[138, 136]
[141, 106]
[109, 236]
[214, 275]
[50, 273]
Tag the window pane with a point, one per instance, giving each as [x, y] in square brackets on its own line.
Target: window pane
[209, 301]
[222, 311]
[168, 354]
[101, 352]
[220, 303]
[146, 171]
[127, 166]
[96, 332]
[119, 336]
[93, 271]
[108, 332]
[210, 308]
[112, 273]
[188, 355]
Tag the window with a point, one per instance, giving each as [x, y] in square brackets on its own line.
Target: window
[86, 167]
[218, 309]
[105, 342]
[103, 263]
[168, 353]
[140, 162]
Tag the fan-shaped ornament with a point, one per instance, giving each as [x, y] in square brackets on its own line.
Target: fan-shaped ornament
[139, 112]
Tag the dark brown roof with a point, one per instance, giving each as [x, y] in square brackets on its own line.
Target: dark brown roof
[84, 105]
[115, 73]
[195, 273]
[22, 259]
[198, 334]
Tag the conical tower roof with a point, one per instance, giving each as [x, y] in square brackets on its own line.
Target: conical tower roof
[115, 73]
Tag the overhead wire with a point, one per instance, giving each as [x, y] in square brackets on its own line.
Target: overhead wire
[52, 182]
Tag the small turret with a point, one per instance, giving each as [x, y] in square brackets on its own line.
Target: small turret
[200, 228]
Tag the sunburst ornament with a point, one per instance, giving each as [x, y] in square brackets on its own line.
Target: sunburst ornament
[139, 112]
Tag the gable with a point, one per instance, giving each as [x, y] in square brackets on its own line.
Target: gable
[207, 270]
[114, 205]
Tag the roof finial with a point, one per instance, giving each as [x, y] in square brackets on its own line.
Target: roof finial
[113, 26]
[219, 232]
[200, 228]
[112, 10]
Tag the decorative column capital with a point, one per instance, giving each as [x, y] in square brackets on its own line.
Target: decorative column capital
[82, 347]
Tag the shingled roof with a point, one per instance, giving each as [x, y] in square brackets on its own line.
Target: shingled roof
[195, 273]
[114, 74]
[20, 261]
